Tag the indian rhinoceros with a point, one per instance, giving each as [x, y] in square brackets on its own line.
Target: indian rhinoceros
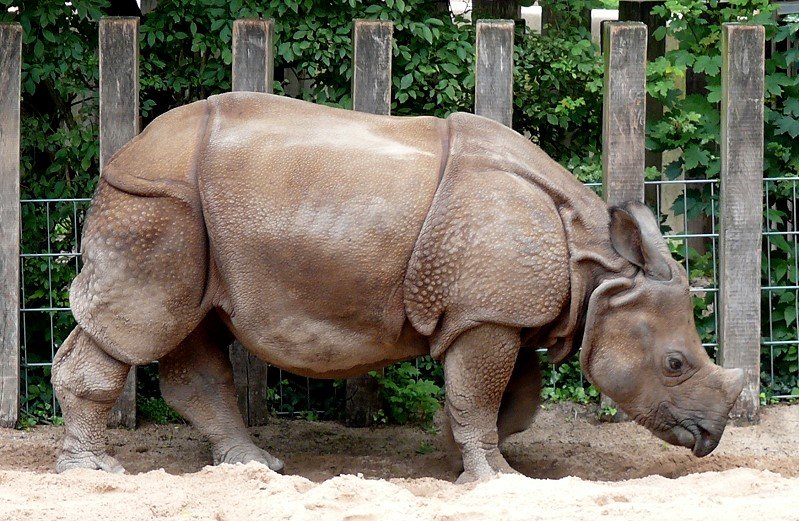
[331, 242]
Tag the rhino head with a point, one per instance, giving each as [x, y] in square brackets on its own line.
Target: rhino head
[640, 345]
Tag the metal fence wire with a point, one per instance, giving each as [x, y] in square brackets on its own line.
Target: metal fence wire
[49, 260]
[687, 209]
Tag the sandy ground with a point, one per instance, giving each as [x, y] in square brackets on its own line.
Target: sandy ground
[574, 468]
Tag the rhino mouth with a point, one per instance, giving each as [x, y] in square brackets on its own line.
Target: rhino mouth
[687, 432]
[704, 441]
[690, 435]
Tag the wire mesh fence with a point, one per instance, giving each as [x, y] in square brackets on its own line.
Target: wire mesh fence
[687, 209]
[780, 342]
[49, 260]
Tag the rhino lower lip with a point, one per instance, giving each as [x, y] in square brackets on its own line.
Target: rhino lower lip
[704, 442]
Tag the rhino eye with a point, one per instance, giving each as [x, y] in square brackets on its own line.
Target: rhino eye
[674, 363]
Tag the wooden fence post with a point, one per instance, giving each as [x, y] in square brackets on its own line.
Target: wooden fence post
[371, 92]
[493, 75]
[623, 119]
[253, 71]
[740, 207]
[119, 123]
[624, 112]
[10, 71]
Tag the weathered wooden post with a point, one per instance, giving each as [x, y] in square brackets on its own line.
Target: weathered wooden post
[623, 117]
[740, 207]
[371, 92]
[624, 111]
[253, 70]
[119, 123]
[10, 74]
[493, 75]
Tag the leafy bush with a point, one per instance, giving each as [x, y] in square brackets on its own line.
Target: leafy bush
[411, 393]
[565, 382]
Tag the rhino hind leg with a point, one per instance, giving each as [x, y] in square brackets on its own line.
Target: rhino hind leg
[87, 382]
[197, 381]
[477, 368]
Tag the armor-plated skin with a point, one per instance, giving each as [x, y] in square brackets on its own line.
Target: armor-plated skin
[331, 242]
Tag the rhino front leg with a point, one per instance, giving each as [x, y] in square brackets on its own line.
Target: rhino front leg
[87, 382]
[477, 368]
[197, 381]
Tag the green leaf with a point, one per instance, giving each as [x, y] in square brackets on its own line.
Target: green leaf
[38, 50]
[714, 93]
[694, 156]
[710, 65]
[791, 106]
[451, 68]
[787, 125]
[682, 58]
[427, 34]
[780, 242]
[789, 314]
[773, 85]
[406, 81]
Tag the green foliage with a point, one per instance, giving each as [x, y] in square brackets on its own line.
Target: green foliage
[150, 405]
[186, 51]
[425, 448]
[558, 92]
[306, 398]
[59, 104]
[156, 410]
[38, 398]
[411, 393]
[607, 413]
[565, 382]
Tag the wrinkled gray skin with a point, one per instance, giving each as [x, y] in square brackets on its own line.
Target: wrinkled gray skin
[330, 243]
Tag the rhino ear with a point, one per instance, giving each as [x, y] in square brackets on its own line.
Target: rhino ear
[635, 235]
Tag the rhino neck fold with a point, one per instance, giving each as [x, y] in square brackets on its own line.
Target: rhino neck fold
[589, 264]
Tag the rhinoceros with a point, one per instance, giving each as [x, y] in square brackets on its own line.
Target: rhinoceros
[330, 243]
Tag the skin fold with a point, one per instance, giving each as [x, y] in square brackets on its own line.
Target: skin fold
[330, 243]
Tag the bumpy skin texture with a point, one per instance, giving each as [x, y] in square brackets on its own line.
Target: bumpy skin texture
[331, 242]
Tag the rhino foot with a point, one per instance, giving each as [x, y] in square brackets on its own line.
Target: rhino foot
[246, 453]
[88, 460]
[472, 476]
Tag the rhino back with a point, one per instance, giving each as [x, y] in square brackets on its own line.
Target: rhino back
[312, 214]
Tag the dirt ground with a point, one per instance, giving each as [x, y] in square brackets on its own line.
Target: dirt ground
[574, 468]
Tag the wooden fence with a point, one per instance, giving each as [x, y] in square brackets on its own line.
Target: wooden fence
[623, 164]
